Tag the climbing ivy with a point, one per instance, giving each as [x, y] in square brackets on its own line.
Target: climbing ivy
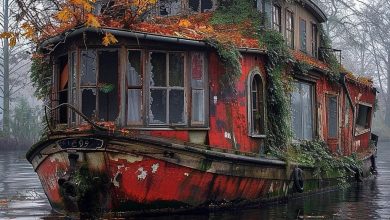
[230, 56]
[279, 85]
[41, 75]
[328, 56]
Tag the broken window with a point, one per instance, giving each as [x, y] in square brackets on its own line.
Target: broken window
[363, 120]
[166, 88]
[256, 104]
[134, 87]
[108, 95]
[201, 5]
[63, 85]
[88, 75]
[332, 116]
[302, 111]
[169, 7]
[197, 84]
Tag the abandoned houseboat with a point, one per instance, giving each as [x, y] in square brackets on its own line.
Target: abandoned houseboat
[154, 121]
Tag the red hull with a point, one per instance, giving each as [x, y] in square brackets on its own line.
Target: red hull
[120, 178]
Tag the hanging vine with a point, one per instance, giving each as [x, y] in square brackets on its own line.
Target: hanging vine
[41, 75]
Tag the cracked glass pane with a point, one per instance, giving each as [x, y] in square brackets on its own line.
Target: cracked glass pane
[88, 67]
[176, 69]
[176, 106]
[134, 77]
[89, 102]
[158, 69]
[158, 106]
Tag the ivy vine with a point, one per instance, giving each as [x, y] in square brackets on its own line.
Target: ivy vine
[41, 76]
[230, 56]
[327, 55]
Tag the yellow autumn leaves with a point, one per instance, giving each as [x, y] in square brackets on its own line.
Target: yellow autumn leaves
[73, 13]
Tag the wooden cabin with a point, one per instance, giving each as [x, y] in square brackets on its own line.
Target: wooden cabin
[163, 80]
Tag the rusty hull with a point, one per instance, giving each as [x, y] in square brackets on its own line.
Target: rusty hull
[136, 175]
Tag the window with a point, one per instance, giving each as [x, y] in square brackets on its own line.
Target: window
[166, 98]
[201, 5]
[302, 111]
[198, 91]
[134, 87]
[332, 116]
[363, 120]
[99, 84]
[63, 86]
[256, 113]
[88, 80]
[290, 29]
[302, 35]
[314, 42]
[276, 18]
[169, 7]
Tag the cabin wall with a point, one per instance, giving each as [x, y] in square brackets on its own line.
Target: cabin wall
[228, 112]
[323, 91]
[348, 140]
[361, 94]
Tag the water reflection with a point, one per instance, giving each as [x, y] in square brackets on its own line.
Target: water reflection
[21, 197]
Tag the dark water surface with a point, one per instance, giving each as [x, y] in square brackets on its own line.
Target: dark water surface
[21, 197]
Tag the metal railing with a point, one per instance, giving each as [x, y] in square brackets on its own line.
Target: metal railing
[49, 111]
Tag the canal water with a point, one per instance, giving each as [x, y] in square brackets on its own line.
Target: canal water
[21, 197]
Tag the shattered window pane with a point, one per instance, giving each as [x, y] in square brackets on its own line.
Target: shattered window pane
[89, 102]
[158, 106]
[332, 116]
[206, 5]
[134, 77]
[176, 69]
[198, 114]
[194, 5]
[363, 117]
[134, 105]
[176, 106]
[158, 69]
[170, 7]
[88, 67]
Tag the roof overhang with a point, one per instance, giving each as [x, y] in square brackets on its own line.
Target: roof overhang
[315, 10]
[138, 35]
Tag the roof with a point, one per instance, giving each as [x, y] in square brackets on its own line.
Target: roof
[194, 30]
[315, 10]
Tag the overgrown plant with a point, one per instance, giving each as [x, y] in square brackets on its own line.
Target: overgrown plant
[326, 54]
[278, 104]
[41, 75]
[230, 56]
[317, 154]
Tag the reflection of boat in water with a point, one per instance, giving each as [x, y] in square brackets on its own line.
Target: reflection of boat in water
[150, 127]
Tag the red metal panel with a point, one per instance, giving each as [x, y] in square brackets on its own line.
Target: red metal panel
[229, 118]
